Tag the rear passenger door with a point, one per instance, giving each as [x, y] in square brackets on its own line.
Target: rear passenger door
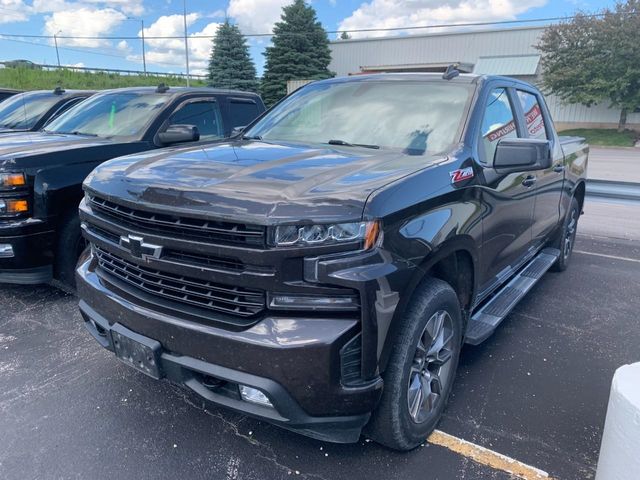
[508, 197]
[203, 113]
[242, 111]
[548, 182]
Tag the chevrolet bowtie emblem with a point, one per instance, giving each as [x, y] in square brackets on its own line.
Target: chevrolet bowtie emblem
[138, 248]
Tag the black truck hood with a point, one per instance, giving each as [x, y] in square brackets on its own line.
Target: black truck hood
[35, 151]
[25, 144]
[257, 182]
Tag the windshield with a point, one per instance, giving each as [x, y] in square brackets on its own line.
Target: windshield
[22, 111]
[416, 117]
[110, 115]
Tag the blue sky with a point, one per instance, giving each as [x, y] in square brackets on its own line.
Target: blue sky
[121, 18]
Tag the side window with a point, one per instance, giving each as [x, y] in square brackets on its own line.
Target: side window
[497, 123]
[242, 112]
[532, 115]
[205, 115]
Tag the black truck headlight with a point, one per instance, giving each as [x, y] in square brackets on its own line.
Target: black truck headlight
[13, 206]
[9, 181]
[322, 234]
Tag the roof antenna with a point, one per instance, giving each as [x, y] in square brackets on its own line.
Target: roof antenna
[162, 88]
[451, 72]
[58, 90]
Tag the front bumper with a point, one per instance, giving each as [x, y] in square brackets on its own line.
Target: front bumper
[294, 360]
[32, 246]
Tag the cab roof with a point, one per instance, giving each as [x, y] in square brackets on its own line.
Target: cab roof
[177, 91]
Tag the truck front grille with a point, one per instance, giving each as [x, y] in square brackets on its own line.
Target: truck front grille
[182, 227]
[237, 301]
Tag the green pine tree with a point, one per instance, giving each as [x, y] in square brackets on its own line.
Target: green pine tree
[299, 51]
[230, 65]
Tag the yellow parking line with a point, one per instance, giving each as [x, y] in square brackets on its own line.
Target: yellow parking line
[486, 457]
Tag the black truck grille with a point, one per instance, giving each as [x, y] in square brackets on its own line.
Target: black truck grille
[182, 227]
[189, 291]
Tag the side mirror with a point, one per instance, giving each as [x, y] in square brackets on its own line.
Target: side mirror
[237, 131]
[521, 154]
[179, 134]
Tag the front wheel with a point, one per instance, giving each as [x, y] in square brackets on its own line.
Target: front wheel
[567, 237]
[71, 244]
[421, 369]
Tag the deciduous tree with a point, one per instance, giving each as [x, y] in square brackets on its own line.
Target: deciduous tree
[595, 58]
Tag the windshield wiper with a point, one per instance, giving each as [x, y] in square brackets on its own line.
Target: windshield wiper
[347, 144]
[76, 132]
[251, 137]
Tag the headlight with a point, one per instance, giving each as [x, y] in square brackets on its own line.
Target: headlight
[309, 235]
[12, 206]
[12, 180]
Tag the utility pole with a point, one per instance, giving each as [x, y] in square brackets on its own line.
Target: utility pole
[55, 40]
[186, 42]
[144, 59]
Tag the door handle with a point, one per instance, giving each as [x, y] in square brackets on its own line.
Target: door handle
[529, 181]
[558, 168]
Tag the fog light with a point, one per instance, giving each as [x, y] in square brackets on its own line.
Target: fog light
[253, 395]
[6, 250]
[13, 206]
[311, 302]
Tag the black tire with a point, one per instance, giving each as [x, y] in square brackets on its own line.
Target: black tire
[392, 423]
[70, 246]
[567, 237]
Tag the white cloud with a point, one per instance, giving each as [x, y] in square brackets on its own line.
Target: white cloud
[128, 7]
[12, 11]
[170, 51]
[83, 22]
[256, 16]
[400, 13]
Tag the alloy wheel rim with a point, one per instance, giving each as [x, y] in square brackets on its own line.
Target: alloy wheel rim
[431, 367]
[570, 234]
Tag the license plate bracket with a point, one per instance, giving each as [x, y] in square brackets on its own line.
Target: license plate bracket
[137, 351]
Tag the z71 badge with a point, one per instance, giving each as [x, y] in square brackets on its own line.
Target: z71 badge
[461, 174]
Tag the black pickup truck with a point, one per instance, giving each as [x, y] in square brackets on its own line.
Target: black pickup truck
[31, 111]
[7, 93]
[41, 173]
[323, 270]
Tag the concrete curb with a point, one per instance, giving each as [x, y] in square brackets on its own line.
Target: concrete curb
[619, 458]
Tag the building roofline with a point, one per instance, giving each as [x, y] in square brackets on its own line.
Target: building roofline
[440, 34]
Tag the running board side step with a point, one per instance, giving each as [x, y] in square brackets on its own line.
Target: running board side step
[485, 321]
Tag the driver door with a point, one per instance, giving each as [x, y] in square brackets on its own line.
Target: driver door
[204, 114]
[508, 197]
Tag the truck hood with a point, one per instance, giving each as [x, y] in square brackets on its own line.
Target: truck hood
[257, 182]
[26, 144]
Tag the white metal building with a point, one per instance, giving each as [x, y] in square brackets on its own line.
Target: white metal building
[508, 52]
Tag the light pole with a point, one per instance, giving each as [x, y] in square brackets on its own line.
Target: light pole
[186, 42]
[55, 40]
[144, 59]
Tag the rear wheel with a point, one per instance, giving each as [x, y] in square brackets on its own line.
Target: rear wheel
[421, 369]
[567, 237]
[71, 244]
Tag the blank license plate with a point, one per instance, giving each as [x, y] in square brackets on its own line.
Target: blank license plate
[137, 351]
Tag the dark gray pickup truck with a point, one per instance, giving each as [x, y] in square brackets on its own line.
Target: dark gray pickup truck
[323, 270]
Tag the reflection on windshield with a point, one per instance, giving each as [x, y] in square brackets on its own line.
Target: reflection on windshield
[110, 115]
[416, 117]
[22, 111]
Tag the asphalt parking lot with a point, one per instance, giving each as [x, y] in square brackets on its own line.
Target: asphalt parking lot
[536, 392]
